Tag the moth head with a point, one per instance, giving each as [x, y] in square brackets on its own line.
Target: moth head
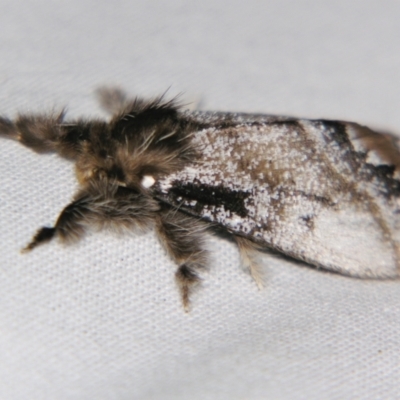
[113, 176]
[98, 162]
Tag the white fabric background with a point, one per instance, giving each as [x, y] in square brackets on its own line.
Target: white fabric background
[102, 319]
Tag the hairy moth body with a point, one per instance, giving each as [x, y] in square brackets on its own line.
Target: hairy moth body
[325, 192]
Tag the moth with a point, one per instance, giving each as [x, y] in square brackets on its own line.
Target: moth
[324, 192]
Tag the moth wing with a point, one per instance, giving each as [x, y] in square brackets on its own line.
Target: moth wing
[302, 187]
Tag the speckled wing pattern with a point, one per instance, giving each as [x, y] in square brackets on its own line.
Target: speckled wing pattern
[326, 192]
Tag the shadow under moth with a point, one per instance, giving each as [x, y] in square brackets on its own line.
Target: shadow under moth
[324, 192]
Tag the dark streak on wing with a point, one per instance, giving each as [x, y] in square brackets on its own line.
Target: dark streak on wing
[335, 131]
[232, 200]
[327, 202]
[384, 173]
[338, 132]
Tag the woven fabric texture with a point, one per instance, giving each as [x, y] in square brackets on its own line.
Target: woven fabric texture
[102, 319]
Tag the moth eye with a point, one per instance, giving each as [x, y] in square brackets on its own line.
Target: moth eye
[102, 174]
[97, 173]
[92, 172]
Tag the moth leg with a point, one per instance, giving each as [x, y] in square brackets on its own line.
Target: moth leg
[111, 99]
[40, 132]
[103, 205]
[7, 128]
[69, 226]
[50, 133]
[183, 238]
[248, 257]
[116, 102]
